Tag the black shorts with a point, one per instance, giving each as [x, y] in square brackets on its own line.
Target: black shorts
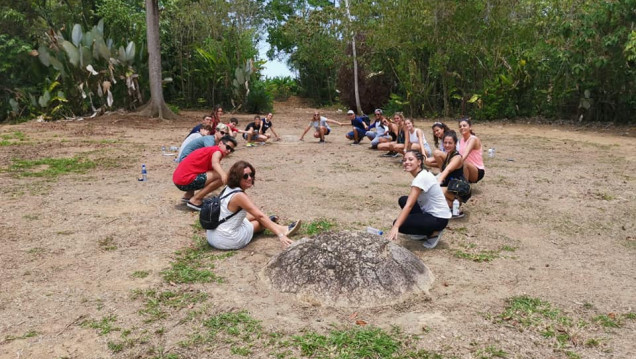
[480, 174]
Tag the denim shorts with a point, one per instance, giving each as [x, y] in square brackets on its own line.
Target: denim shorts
[197, 183]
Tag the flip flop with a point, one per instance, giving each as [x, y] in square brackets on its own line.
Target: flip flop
[193, 206]
[185, 200]
[273, 218]
[292, 228]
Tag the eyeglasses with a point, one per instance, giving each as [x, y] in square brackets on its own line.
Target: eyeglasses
[248, 175]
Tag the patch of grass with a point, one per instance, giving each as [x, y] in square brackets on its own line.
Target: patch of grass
[318, 226]
[107, 244]
[14, 138]
[140, 274]
[29, 334]
[608, 320]
[572, 355]
[65, 233]
[359, 342]
[491, 352]
[31, 217]
[103, 326]
[156, 303]
[115, 347]
[484, 256]
[36, 250]
[593, 343]
[50, 167]
[194, 264]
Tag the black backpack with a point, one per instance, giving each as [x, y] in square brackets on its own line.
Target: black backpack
[211, 211]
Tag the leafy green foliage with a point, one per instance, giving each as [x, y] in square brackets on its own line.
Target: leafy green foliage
[318, 226]
[259, 99]
[103, 326]
[281, 88]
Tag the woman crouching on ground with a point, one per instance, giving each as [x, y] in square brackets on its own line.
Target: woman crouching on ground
[471, 151]
[439, 129]
[451, 167]
[425, 210]
[237, 231]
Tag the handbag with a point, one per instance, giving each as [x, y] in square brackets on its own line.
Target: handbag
[461, 187]
[210, 214]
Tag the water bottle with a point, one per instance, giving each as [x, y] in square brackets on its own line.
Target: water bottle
[455, 207]
[144, 173]
[163, 150]
[374, 231]
[491, 152]
[174, 148]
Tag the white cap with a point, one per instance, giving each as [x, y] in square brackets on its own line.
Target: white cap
[350, 112]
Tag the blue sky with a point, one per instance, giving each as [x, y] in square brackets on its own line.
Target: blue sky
[272, 68]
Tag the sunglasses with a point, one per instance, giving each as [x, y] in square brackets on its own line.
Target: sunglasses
[248, 175]
[222, 133]
[230, 148]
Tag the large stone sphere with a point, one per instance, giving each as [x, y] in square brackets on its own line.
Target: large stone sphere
[348, 269]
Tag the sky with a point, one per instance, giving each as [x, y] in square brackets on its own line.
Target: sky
[272, 68]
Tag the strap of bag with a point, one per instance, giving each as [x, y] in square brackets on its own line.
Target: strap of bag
[233, 214]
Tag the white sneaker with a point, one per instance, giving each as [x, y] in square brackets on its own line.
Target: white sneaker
[432, 242]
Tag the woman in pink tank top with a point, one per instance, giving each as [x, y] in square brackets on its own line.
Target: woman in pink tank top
[471, 151]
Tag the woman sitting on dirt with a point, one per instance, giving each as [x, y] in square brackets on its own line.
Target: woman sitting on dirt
[237, 231]
[425, 212]
[321, 127]
[396, 131]
[439, 129]
[471, 151]
[451, 167]
[381, 132]
[415, 140]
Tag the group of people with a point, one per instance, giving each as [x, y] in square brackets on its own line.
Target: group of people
[427, 208]
[425, 211]
[199, 173]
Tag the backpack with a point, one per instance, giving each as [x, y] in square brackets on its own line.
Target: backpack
[210, 214]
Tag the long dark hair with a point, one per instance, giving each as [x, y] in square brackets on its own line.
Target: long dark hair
[444, 127]
[236, 173]
[467, 119]
[452, 134]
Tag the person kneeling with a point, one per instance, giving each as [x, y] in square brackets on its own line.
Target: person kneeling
[425, 212]
[237, 231]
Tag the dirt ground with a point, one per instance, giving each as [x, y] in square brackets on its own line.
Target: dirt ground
[552, 219]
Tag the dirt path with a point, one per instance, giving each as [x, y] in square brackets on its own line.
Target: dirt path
[553, 219]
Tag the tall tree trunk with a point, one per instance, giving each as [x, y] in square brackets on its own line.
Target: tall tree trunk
[156, 107]
[355, 62]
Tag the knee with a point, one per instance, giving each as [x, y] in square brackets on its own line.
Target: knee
[402, 201]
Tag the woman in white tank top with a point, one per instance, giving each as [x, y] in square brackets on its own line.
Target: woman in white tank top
[237, 232]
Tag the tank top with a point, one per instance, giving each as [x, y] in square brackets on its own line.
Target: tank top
[475, 156]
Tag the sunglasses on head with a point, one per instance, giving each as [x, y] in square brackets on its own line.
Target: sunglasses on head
[248, 175]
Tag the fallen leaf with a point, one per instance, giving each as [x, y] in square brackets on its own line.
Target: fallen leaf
[360, 322]
[353, 315]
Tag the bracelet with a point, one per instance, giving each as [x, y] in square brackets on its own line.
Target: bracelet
[281, 235]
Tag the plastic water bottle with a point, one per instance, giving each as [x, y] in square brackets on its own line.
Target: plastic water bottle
[374, 231]
[163, 150]
[491, 152]
[144, 173]
[174, 148]
[455, 207]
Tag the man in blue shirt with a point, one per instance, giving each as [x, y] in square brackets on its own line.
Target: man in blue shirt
[360, 127]
[205, 141]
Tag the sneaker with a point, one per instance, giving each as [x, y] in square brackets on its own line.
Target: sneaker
[321, 141]
[355, 143]
[250, 144]
[460, 215]
[417, 237]
[395, 154]
[431, 242]
[388, 154]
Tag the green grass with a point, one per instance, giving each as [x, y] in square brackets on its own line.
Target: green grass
[194, 264]
[15, 138]
[491, 352]
[50, 167]
[318, 226]
[29, 334]
[140, 274]
[359, 342]
[103, 326]
[156, 304]
[608, 321]
[107, 244]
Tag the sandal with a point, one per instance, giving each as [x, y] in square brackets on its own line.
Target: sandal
[273, 218]
[292, 228]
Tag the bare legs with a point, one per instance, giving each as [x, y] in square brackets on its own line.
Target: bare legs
[212, 182]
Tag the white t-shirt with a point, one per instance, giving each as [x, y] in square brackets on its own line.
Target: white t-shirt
[431, 200]
[322, 122]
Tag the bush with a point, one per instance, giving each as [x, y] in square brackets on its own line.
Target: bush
[259, 100]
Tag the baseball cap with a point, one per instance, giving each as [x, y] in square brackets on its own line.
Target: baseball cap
[350, 112]
[378, 111]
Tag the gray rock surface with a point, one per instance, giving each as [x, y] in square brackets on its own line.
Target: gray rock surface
[348, 269]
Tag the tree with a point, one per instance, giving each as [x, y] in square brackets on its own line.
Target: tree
[156, 107]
